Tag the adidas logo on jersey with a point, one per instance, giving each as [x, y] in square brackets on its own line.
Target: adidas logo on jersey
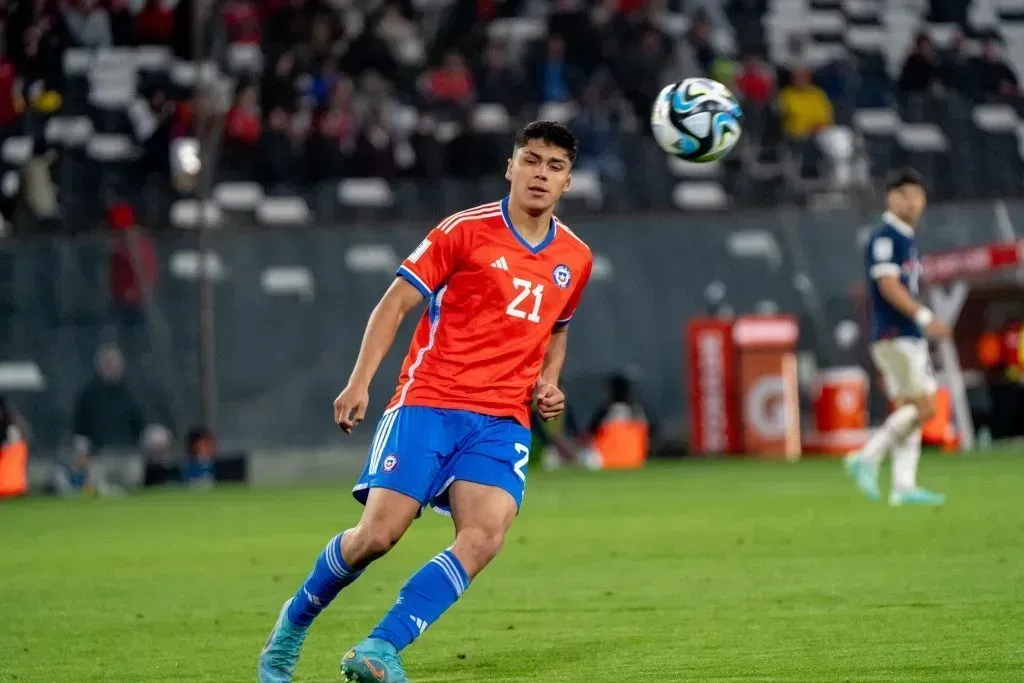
[420, 624]
[500, 264]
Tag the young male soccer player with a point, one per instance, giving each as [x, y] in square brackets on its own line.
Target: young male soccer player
[899, 348]
[502, 281]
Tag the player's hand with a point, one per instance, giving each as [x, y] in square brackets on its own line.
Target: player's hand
[350, 407]
[937, 329]
[550, 400]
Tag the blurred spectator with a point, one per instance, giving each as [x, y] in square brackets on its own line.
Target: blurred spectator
[920, 72]
[154, 24]
[805, 108]
[756, 80]
[11, 104]
[279, 87]
[241, 22]
[88, 23]
[200, 458]
[83, 476]
[400, 36]
[133, 270]
[794, 55]
[647, 63]
[320, 84]
[596, 125]
[161, 466]
[714, 10]
[37, 183]
[451, 83]
[375, 149]
[106, 413]
[556, 79]
[956, 70]
[429, 151]
[997, 77]
[334, 141]
[152, 120]
[699, 38]
[279, 149]
[43, 41]
[123, 30]
[496, 82]
[242, 129]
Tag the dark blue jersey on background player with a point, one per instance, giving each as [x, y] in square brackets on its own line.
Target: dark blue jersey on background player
[503, 281]
[891, 251]
[900, 326]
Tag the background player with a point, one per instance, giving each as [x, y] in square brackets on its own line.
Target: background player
[899, 323]
[502, 282]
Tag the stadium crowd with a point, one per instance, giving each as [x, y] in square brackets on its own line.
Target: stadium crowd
[391, 89]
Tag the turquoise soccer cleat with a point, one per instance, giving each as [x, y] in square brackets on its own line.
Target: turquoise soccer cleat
[281, 653]
[917, 496]
[373, 661]
[864, 475]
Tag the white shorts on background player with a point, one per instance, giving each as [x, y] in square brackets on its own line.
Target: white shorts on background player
[905, 366]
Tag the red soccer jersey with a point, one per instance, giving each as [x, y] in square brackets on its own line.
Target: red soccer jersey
[494, 301]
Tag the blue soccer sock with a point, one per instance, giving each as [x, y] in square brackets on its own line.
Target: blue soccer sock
[330, 574]
[423, 599]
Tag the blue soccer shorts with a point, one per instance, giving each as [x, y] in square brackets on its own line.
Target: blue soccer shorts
[420, 451]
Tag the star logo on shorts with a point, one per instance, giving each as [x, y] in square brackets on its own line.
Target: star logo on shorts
[390, 462]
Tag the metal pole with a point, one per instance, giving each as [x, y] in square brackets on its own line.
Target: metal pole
[204, 292]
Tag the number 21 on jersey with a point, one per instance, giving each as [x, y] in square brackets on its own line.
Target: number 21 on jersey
[527, 299]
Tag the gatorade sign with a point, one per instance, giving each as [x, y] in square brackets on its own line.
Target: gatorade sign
[768, 384]
[743, 385]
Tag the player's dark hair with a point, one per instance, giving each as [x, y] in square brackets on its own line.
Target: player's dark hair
[901, 177]
[551, 132]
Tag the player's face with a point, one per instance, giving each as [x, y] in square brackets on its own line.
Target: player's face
[908, 202]
[539, 172]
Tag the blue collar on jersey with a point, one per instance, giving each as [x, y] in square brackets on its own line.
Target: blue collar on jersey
[508, 223]
[898, 225]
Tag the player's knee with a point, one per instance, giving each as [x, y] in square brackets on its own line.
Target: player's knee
[371, 541]
[925, 408]
[479, 546]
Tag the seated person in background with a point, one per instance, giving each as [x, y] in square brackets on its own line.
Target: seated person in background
[805, 107]
[201, 457]
[82, 476]
[619, 432]
[161, 465]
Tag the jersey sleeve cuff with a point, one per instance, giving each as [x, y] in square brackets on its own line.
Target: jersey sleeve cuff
[414, 280]
[882, 269]
[562, 323]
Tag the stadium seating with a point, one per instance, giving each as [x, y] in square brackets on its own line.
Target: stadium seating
[279, 359]
[967, 146]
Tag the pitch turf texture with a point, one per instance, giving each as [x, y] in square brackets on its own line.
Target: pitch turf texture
[691, 571]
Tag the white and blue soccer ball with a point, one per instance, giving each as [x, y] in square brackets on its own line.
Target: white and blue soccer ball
[697, 120]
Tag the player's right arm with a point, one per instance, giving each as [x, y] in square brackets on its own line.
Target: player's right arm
[381, 328]
[884, 270]
[421, 274]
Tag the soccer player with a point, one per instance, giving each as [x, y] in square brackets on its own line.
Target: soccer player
[502, 282]
[899, 347]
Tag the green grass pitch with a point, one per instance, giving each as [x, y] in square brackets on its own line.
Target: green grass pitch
[693, 571]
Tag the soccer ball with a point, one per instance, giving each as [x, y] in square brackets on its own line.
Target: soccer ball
[697, 120]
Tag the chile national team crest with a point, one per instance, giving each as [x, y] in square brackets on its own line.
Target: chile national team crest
[390, 462]
[562, 276]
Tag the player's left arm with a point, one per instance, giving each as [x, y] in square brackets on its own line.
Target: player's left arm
[550, 399]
